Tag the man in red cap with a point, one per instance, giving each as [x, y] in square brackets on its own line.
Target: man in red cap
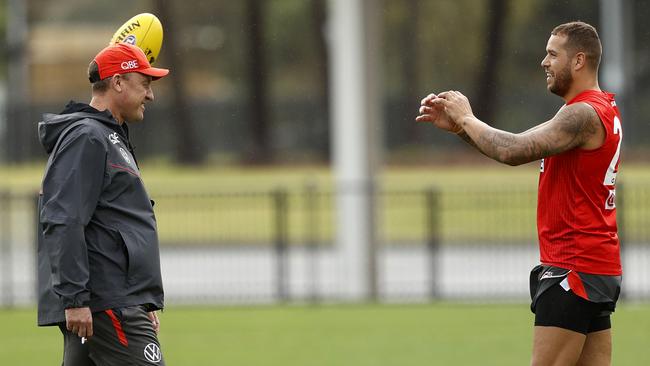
[98, 259]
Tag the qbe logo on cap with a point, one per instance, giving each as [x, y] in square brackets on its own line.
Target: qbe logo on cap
[128, 65]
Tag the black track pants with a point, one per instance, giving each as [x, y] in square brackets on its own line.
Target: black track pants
[122, 336]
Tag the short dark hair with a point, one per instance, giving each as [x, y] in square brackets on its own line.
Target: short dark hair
[581, 37]
[93, 75]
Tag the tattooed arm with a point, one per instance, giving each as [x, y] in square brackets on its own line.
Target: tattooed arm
[469, 140]
[463, 135]
[576, 125]
[573, 126]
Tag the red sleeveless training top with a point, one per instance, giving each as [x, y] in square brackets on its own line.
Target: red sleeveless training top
[576, 209]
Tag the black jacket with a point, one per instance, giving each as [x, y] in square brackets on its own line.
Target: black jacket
[97, 239]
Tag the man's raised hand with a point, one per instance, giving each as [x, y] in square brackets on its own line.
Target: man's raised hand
[432, 111]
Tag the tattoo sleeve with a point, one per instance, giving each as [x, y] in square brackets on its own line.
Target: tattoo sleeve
[463, 135]
[569, 128]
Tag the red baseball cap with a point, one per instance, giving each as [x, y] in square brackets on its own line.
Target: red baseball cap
[122, 58]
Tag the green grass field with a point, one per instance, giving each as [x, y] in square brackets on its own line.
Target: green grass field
[354, 335]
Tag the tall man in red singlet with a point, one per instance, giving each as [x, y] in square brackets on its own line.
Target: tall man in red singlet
[575, 289]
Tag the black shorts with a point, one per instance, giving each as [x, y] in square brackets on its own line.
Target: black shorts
[122, 336]
[557, 307]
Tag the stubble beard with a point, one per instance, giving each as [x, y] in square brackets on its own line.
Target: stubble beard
[562, 82]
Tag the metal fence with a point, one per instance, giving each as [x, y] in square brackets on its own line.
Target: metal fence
[468, 243]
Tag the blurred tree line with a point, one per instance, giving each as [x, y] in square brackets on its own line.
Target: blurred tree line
[249, 81]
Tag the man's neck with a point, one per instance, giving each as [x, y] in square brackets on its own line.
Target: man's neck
[579, 87]
[101, 105]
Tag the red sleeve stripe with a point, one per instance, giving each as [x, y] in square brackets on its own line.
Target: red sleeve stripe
[128, 170]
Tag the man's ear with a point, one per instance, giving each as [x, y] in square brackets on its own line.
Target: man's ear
[579, 61]
[116, 82]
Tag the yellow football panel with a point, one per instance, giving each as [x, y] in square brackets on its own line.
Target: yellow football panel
[143, 30]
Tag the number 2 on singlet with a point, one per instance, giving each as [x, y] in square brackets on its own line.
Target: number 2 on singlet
[610, 176]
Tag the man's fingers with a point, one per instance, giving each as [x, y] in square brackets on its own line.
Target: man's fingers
[155, 321]
[432, 99]
[424, 118]
[440, 102]
[82, 328]
[85, 330]
[450, 94]
[426, 110]
[427, 98]
[77, 329]
[89, 329]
